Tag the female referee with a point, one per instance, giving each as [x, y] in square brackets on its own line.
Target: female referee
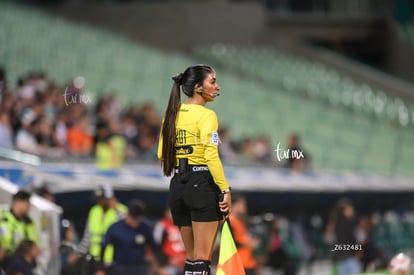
[199, 193]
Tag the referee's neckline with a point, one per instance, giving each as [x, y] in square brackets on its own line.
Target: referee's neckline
[193, 104]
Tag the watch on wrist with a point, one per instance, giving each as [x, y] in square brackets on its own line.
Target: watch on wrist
[228, 190]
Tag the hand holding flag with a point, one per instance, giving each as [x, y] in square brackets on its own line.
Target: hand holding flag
[229, 260]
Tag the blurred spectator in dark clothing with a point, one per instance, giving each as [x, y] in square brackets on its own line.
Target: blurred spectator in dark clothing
[44, 133]
[298, 160]
[277, 257]
[343, 227]
[101, 110]
[7, 103]
[24, 260]
[133, 242]
[373, 257]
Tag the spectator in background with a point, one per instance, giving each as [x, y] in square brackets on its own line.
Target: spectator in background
[6, 131]
[226, 148]
[70, 257]
[79, 140]
[129, 130]
[61, 130]
[147, 140]
[107, 108]
[246, 148]
[114, 106]
[26, 139]
[110, 146]
[343, 228]
[39, 82]
[7, 103]
[148, 115]
[45, 193]
[25, 93]
[277, 257]
[102, 112]
[31, 112]
[49, 107]
[133, 242]
[9, 106]
[16, 225]
[148, 125]
[46, 138]
[172, 250]
[372, 256]
[244, 242]
[24, 260]
[103, 214]
[296, 161]
[261, 149]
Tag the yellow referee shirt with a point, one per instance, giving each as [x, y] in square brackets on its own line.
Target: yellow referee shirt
[197, 140]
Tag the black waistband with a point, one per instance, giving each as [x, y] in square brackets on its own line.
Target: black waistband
[192, 169]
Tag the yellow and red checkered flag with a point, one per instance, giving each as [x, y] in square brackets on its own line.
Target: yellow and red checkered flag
[229, 262]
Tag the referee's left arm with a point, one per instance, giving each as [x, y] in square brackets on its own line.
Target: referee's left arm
[209, 137]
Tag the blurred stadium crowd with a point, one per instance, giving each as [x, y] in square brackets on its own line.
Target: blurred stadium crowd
[46, 119]
[56, 121]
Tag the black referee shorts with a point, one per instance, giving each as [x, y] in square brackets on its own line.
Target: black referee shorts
[194, 197]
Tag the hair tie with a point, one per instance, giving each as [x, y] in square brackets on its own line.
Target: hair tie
[178, 79]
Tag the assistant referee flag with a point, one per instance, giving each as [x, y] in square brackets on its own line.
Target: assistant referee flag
[229, 260]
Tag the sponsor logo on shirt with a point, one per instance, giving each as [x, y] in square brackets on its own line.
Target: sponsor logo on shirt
[200, 168]
[184, 150]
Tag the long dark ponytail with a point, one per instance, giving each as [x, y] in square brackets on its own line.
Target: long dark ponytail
[192, 75]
